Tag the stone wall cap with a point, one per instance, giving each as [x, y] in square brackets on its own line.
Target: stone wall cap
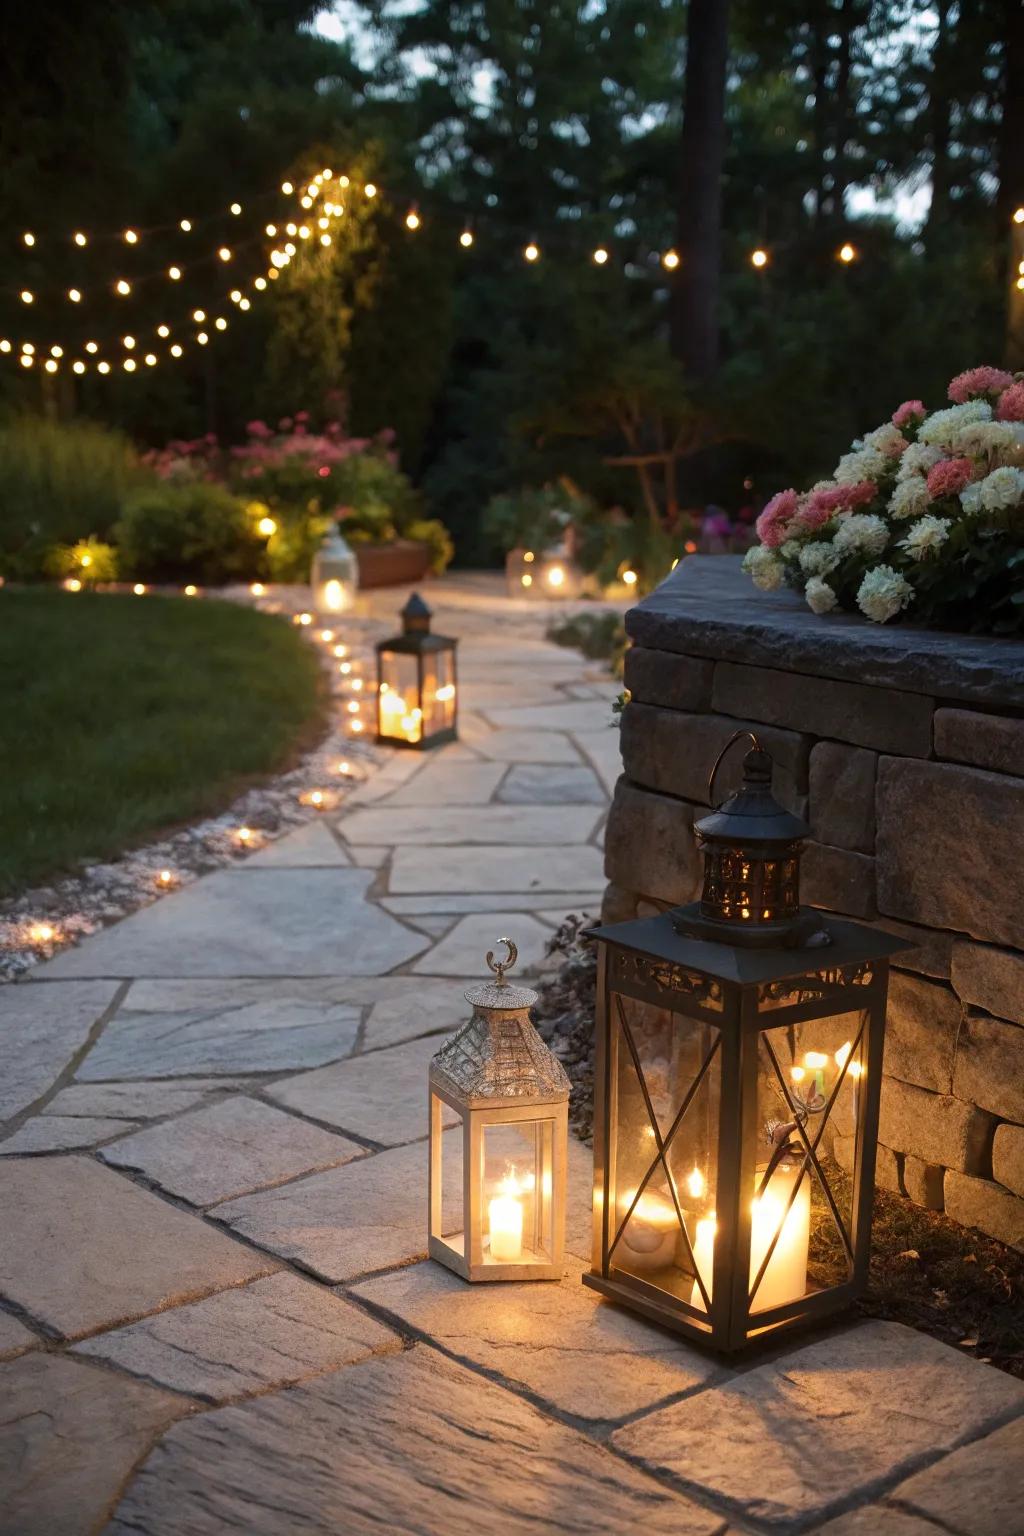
[709, 607]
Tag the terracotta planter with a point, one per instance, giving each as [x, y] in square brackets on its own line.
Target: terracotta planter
[391, 565]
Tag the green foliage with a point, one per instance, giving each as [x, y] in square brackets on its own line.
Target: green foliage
[290, 551]
[145, 715]
[435, 535]
[89, 561]
[59, 484]
[533, 519]
[191, 531]
[600, 637]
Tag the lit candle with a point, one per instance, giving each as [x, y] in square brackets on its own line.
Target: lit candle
[785, 1278]
[816, 1062]
[651, 1234]
[505, 1220]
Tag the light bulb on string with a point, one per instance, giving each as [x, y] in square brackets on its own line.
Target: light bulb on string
[163, 330]
[176, 350]
[174, 273]
[74, 294]
[1018, 216]
[325, 240]
[847, 253]
[466, 239]
[129, 365]
[199, 315]
[78, 366]
[260, 283]
[307, 201]
[28, 346]
[327, 173]
[91, 346]
[343, 181]
[600, 256]
[28, 237]
[185, 225]
[129, 342]
[303, 231]
[236, 209]
[287, 188]
[291, 229]
[26, 360]
[370, 190]
[5, 345]
[289, 249]
[122, 287]
[221, 323]
[130, 237]
[151, 359]
[103, 367]
[51, 365]
[244, 304]
[271, 230]
[235, 295]
[224, 253]
[412, 219]
[202, 338]
[27, 296]
[759, 258]
[79, 238]
[532, 252]
[323, 223]
[56, 351]
[670, 260]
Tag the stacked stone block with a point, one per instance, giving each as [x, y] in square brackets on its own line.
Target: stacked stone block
[905, 753]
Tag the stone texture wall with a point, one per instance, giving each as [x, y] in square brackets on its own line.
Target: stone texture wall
[912, 781]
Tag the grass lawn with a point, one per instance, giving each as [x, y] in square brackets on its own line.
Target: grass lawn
[124, 716]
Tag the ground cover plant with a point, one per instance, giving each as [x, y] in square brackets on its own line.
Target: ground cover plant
[125, 716]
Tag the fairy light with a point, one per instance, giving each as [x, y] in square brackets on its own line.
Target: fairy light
[129, 365]
[221, 323]
[316, 798]
[847, 253]
[630, 578]
[27, 346]
[224, 253]
[92, 346]
[103, 367]
[150, 359]
[42, 933]
[289, 248]
[267, 527]
[304, 619]
[28, 237]
[176, 350]
[287, 188]
[412, 219]
[79, 238]
[165, 878]
[235, 295]
[130, 237]
[291, 229]
[190, 590]
[78, 366]
[326, 635]
[303, 231]
[532, 252]
[74, 294]
[759, 258]
[325, 240]
[139, 589]
[369, 190]
[466, 239]
[185, 225]
[1018, 216]
[670, 260]
[345, 668]
[56, 351]
[600, 256]
[236, 209]
[129, 342]
[244, 304]
[174, 273]
[52, 365]
[340, 651]
[307, 201]
[244, 835]
[202, 338]
[72, 584]
[5, 345]
[260, 283]
[27, 296]
[199, 315]
[257, 589]
[122, 287]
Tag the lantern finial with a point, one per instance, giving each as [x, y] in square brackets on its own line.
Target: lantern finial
[416, 616]
[499, 967]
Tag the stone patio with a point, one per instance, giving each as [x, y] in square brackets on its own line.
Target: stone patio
[216, 1314]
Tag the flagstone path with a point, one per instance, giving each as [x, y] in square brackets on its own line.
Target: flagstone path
[216, 1314]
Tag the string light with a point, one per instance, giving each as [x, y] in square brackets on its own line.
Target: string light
[129, 342]
[74, 295]
[122, 287]
[131, 238]
[103, 367]
[1018, 217]
[466, 239]
[224, 253]
[185, 225]
[847, 253]
[129, 365]
[151, 359]
[5, 345]
[51, 365]
[56, 351]
[199, 315]
[260, 283]
[202, 338]
[27, 296]
[221, 323]
[532, 252]
[287, 188]
[176, 350]
[190, 590]
[325, 240]
[257, 589]
[412, 219]
[236, 209]
[759, 258]
[91, 346]
[370, 190]
[670, 260]
[28, 237]
[600, 256]
[163, 330]
[139, 589]
[174, 273]
[26, 360]
[79, 238]
[303, 231]
[78, 366]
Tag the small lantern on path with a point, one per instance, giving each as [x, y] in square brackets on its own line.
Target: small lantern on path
[416, 705]
[497, 1190]
[335, 574]
[739, 1065]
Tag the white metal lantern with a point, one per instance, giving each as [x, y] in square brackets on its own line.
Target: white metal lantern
[335, 574]
[497, 1191]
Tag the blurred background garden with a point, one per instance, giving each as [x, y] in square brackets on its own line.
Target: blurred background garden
[533, 304]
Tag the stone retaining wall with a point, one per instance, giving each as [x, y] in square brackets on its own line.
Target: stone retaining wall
[905, 753]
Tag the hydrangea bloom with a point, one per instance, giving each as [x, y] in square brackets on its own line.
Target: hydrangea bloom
[820, 596]
[883, 593]
[773, 524]
[862, 464]
[949, 476]
[926, 536]
[979, 381]
[888, 440]
[824, 503]
[1010, 406]
[918, 460]
[1002, 488]
[910, 498]
[941, 426]
[818, 559]
[764, 569]
[861, 533]
[908, 414]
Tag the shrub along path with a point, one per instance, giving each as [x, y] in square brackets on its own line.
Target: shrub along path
[215, 1303]
[125, 716]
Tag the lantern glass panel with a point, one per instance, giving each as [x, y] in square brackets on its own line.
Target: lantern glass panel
[448, 1219]
[810, 1079]
[663, 1168]
[399, 710]
[517, 1183]
[438, 691]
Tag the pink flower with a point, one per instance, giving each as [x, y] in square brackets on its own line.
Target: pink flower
[978, 381]
[773, 524]
[949, 476]
[285, 424]
[824, 504]
[908, 413]
[257, 429]
[301, 415]
[1011, 403]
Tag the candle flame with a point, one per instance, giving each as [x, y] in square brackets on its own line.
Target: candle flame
[815, 1060]
[696, 1184]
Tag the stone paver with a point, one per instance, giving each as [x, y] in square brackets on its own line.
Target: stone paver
[269, 1334]
[130, 1102]
[407, 1443]
[42, 1027]
[92, 1249]
[310, 847]
[257, 1037]
[448, 783]
[268, 922]
[228, 1149]
[792, 1439]
[381, 1097]
[421, 1008]
[978, 1491]
[552, 717]
[15, 1338]
[476, 824]
[411, 907]
[60, 1133]
[575, 867]
[346, 1222]
[523, 746]
[461, 952]
[540, 784]
[70, 1433]
[603, 750]
[559, 1342]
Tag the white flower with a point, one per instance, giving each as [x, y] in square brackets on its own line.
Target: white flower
[882, 593]
[926, 536]
[970, 498]
[820, 596]
[942, 426]
[763, 567]
[790, 550]
[818, 559]
[918, 460]
[910, 498]
[861, 533]
[862, 464]
[887, 440]
[1002, 488]
[992, 437]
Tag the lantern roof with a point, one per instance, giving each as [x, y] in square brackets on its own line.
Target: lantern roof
[752, 814]
[848, 944]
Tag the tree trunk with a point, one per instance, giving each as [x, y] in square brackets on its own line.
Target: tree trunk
[694, 320]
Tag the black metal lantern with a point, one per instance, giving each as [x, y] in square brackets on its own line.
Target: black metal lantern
[416, 704]
[739, 1064]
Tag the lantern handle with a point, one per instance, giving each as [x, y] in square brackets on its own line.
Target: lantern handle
[499, 967]
[736, 736]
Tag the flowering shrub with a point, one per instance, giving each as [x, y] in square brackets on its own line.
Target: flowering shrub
[924, 516]
[303, 479]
